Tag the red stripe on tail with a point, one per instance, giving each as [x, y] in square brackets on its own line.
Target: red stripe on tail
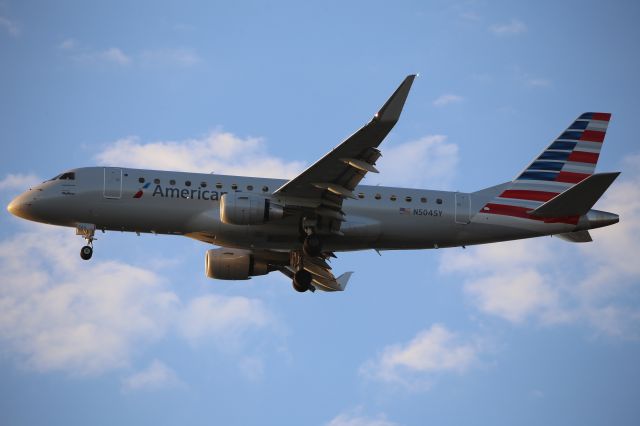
[528, 195]
[571, 177]
[592, 136]
[584, 157]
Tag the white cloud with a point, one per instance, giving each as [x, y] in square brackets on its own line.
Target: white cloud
[62, 314]
[112, 55]
[176, 57]
[156, 376]
[252, 367]
[19, 181]
[11, 27]
[356, 418]
[552, 281]
[515, 26]
[537, 82]
[161, 57]
[430, 160]
[447, 99]
[68, 44]
[433, 351]
[115, 55]
[218, 152]
[221, 316]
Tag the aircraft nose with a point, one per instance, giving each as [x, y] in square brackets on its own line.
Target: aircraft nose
[19, 206]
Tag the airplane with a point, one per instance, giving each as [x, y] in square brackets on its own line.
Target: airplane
[296, 226]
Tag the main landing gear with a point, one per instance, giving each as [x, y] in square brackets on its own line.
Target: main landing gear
[302, 281]
[86, 252]
[301, 277]
[86, 231]
[312, 246]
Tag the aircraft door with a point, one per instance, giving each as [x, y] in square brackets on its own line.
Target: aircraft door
[112, 182]
[463, 208]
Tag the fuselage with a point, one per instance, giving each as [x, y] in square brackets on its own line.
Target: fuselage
[178, 203]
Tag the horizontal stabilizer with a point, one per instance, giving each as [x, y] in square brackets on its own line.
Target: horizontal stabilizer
[576, 237]
[578, 199]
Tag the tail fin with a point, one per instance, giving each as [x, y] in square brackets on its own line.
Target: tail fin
[573, 155]
[568, 160]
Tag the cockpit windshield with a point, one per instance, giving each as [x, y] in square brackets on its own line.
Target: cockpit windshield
[65, 176]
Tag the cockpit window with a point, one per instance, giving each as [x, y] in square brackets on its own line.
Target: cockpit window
[65, 176]
[68, 176]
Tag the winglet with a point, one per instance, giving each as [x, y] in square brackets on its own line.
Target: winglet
[343, 279]
[390, 111]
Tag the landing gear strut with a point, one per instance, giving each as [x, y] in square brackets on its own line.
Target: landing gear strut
[312, 246]
[86, 231]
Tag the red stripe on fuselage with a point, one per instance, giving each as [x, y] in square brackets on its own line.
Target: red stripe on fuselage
[528, 195]
[521, 212]
[584, 157]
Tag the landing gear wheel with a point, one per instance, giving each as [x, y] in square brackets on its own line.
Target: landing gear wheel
[302, 280]
[86, 252]
[312, 246]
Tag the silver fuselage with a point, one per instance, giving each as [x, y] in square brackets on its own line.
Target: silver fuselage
[384, 218]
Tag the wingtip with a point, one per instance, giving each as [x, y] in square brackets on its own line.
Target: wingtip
[391, 110]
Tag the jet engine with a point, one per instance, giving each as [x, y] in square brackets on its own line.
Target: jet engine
[233, 264]
[245, 209]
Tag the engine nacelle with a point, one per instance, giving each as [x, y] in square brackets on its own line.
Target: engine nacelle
[233, 264]
[237, 208]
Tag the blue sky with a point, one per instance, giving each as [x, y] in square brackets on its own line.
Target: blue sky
[532, 332]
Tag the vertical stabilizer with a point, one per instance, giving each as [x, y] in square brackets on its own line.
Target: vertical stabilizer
[567, 161]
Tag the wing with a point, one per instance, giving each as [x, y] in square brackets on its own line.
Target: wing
[329, 180]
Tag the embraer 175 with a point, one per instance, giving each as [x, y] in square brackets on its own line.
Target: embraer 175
[296, 226]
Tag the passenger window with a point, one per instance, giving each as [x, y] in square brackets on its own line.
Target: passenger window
[439, 201]
[407, 199]
[423, 199]
[361, 195]
[203, 184]
[234, 186]
[141, 179]
[187, 183]
[156, 181]
[393, 198]
[218, 185]
[377, 196]
[249, 187]
[172, 182]
[265, 189]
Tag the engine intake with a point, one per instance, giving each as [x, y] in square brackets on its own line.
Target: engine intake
[245, 209]
[233, 264]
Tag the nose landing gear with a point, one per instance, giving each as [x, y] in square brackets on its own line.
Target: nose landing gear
[86, 252]
[86, 231]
